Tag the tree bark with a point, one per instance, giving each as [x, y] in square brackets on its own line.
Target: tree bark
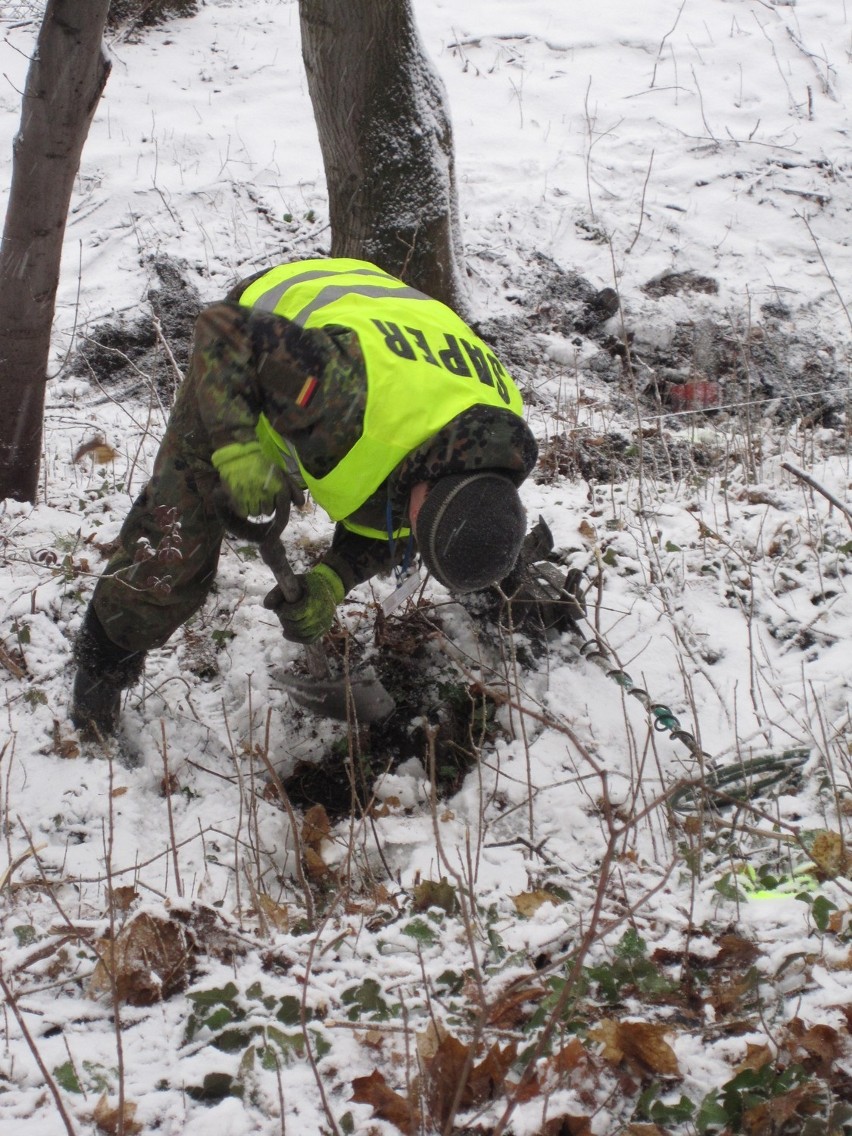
[386, 141]
[66, 77]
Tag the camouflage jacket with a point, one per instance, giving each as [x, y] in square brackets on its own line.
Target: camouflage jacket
[247, 361]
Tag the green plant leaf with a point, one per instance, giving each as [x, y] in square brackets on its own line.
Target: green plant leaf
[291, 1046]
[98, 1077]
[496, 944]
[451, 980]
[366, 1001]
[821, 911]
[218, 1019]
[67, 1079]
[607, 980]
[215, 1087]
[677, 1113]
[631, 946]
[420, 931]
[216, 995]
[727, 888]
[711, 1115]
[233, 1040]
[290, 1011]
[25, 935]
[650, 1107]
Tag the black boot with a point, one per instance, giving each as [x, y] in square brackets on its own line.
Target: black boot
[103, 670]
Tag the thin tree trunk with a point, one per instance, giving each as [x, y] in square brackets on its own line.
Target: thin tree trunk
[66, 77]
[386, 142]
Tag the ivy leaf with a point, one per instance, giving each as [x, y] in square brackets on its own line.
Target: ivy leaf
[67, 1079]
[420, 931]
[366, 1000]
[213, 997]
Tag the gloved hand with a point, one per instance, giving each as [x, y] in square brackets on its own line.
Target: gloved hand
[251, 479]
[308, 618]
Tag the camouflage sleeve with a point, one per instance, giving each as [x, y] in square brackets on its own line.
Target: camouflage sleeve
[246, 361]
[357, 558]
[222, 369]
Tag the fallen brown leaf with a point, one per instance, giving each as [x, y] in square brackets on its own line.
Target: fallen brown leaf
[488, 1078]
[106, 1118]
[641, 1042]
[101, 452]
[568, 1126]
[452, 1077]
[444, 1071]
[528, 902]
[316, 827]
[441, 894]
[148, 961]
[569, 1057]
[756, 1057]
[386, 1104]
[274, 913]
[513, 1008]
[830, 854]
[124, 897]
[317, 867]
[63, 747]
[11, 664]
[428, 1041]
[733, 949]
[820, 1045]
[773, 1116]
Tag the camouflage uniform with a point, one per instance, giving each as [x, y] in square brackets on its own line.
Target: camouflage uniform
[244, 362]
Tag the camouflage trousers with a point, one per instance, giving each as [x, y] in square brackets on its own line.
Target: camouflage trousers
[168, 547]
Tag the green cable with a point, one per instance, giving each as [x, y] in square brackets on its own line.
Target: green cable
[725, 785]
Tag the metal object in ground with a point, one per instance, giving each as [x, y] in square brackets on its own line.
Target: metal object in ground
[362, 697]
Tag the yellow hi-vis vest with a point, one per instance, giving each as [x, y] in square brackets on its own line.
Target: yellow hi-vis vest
[424, 365]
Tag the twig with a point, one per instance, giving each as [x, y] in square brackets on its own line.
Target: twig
[701, 108]
[826, 493]
[392, 1027]
[827, 269]
[16, 863]
[45, 1072]
[167, 793]
[569, 989]
[297, 844]
[642, 202]
[158, 329]
[112, 954]
[303, 1019]
[663, 41]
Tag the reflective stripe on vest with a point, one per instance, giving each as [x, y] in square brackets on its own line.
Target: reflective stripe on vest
[424, 365]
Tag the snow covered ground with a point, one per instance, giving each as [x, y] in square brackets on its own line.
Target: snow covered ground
[702, 148]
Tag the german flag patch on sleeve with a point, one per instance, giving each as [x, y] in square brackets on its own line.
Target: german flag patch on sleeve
[307, 392]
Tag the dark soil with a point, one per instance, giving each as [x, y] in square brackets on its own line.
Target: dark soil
[439, 719]
[129, 16]
[128, 357]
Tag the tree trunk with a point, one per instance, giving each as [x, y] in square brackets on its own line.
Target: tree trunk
[66, 76]
[386, 142]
